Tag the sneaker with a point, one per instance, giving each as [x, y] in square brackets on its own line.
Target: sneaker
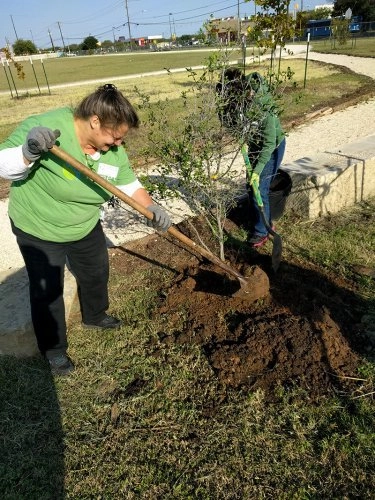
[258, 241]
[61, 364]
[106, 323]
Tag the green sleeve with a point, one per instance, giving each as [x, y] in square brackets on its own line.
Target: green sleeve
[269, 142]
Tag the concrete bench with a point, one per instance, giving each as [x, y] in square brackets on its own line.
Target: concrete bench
[333, 180]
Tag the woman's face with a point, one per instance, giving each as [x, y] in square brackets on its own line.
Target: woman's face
[105, 137]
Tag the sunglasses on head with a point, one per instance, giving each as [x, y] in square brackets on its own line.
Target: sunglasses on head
[108, 87]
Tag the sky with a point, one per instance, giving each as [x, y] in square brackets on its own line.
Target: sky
[70, 21]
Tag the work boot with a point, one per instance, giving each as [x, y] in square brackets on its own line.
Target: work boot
[257, 241]
[107, 323]
[61, 364]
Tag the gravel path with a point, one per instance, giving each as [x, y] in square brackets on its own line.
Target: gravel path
[342, 127]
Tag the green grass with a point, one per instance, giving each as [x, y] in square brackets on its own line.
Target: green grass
[72, 69]
[326, 84]
[142, 420]
[356, 46]
[136, 421]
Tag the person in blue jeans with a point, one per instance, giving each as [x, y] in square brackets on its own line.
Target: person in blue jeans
[246, 108]
[266, 147]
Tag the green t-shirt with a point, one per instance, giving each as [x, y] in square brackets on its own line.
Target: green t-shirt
[56, 202]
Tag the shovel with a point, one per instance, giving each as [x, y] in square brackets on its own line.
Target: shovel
[246, 286]
[277, 241]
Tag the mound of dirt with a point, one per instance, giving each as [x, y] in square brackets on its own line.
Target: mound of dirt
[299, 332]
[259, 345]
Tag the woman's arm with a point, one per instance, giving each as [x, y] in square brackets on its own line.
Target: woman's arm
[13, 165]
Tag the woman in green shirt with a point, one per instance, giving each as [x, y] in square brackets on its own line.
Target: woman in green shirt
[55, 211]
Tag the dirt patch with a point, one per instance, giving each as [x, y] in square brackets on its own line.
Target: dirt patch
[302, 333]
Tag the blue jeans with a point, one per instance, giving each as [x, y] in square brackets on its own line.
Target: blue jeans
[265, 179]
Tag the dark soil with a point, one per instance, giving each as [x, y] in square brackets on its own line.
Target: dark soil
[302, 332]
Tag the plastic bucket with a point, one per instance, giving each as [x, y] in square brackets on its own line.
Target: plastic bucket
[244, 212]
[280, 189]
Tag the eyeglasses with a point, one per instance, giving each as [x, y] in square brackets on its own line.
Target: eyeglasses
[111, 132]
[108, 87]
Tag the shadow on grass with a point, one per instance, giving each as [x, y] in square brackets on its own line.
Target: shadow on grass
[31, 445]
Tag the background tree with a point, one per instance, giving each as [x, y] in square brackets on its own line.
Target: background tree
[322, 13]
[24, 47]
[340, 30]
[106, 44]
[364, 8]
[89, 43]
[73, 47]
[302, 18]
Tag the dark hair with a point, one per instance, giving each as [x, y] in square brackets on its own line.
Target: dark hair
[256, 81]
[231, 74]
[110, 105]
[232, 97]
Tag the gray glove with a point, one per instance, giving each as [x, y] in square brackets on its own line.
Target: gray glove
[39, 140]
[161, 220]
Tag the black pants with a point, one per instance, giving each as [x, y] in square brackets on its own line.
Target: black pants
[45, 264]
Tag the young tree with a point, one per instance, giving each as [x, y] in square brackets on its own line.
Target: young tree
[340, 30]
[19, 68]
[197, 140]
[273, 27]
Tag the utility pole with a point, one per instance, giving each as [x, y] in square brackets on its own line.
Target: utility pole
[170, 24]
[127, 15]
[32, 38]
[50, 37]
[238, 21]
[58, 24]
[14, 28]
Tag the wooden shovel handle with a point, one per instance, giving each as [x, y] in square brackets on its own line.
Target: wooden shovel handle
[63, 155]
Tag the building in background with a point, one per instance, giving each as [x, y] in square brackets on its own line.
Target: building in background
[228, 29]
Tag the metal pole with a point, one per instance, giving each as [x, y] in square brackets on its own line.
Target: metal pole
[45, 74]
[36, 79]
[238, 22]
[14, 28]
[307, 55]
[10, 72]
[32, 38]
[58, 24]
[50, 37]
[127, 14]
[244, 53]
[170, 25]
[6, 76]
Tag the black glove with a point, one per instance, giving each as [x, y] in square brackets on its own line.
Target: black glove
[161, 220]
[39, 140]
